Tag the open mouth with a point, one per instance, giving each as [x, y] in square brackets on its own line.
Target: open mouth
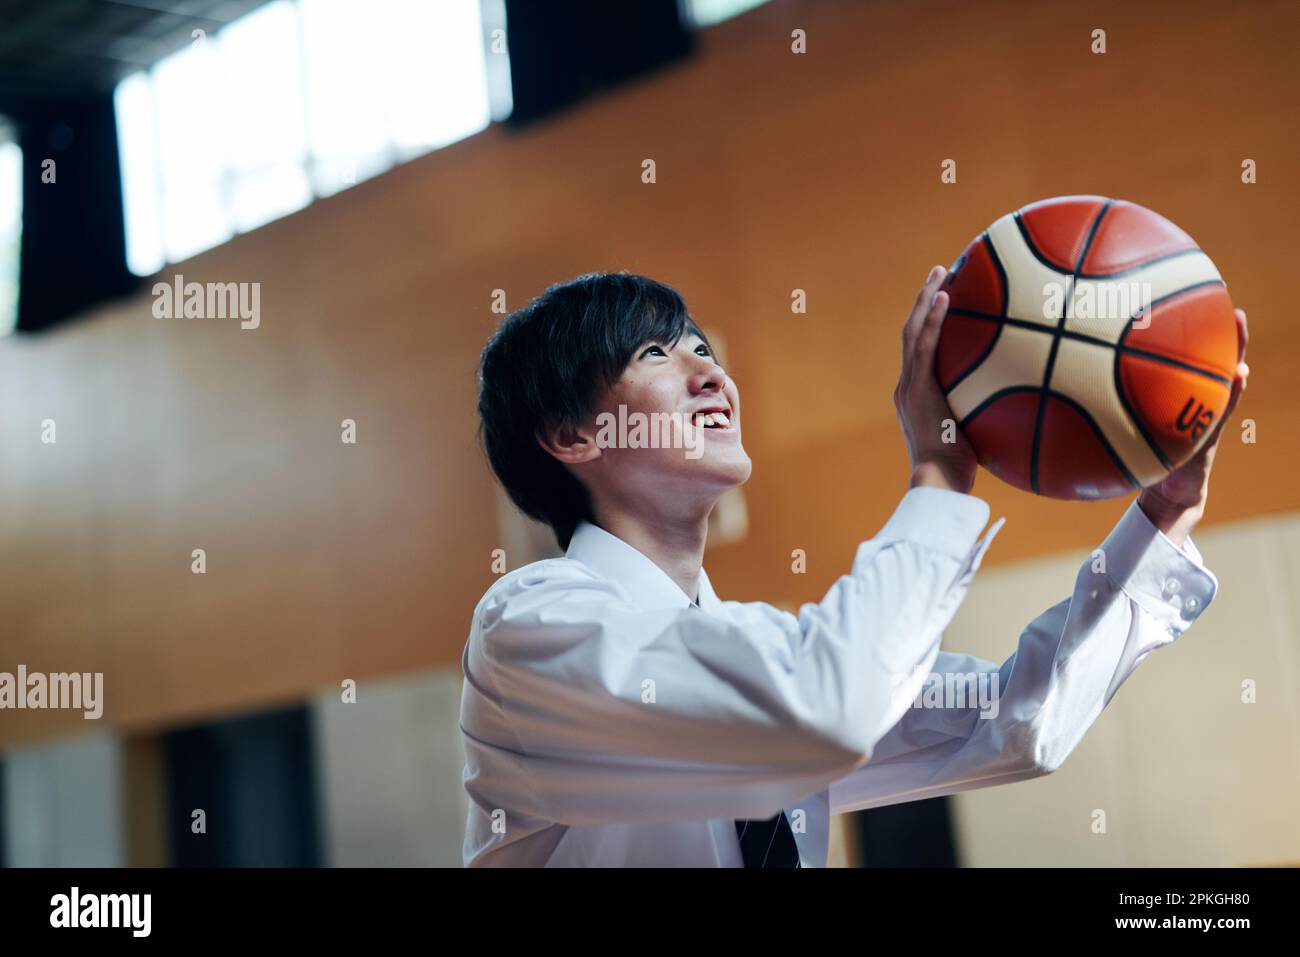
[711, 420]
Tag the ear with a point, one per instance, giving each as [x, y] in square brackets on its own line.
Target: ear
[570, 444]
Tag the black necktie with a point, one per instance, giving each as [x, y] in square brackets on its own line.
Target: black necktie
[768, 843]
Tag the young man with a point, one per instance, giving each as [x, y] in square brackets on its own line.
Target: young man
[617, 712]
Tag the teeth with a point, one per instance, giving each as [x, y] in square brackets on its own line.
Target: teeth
[713, 420]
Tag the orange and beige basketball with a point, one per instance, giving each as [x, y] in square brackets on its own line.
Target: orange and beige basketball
[1089, 347]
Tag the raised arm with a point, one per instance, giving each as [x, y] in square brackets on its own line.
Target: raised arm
[1020, 720]
[1151, 585]
[622, 714]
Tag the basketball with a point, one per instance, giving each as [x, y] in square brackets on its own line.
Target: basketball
[1089, 347]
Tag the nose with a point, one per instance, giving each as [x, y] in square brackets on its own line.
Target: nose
[708, 377]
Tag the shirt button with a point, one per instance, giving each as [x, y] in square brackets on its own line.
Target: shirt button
[1172, 585]
[1191, 604]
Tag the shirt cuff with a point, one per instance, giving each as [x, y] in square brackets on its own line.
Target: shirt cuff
[938, 518]
[1170, 583]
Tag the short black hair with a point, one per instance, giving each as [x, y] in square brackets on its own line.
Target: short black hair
[547, 364]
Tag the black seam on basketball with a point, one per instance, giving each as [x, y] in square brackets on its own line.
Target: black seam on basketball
[997, 334]
[1101, 436]
[1056, 346]
[1092, 423]
[1037, 254]
[1092, 341]
[1087, 243]
[1133, 416]
[1142, 265]
[976, 314]
[1032, 324]
[1119, 346]
[990, 399]
[1038, 417]
[1002, 274]
[1169, 361]
[1175, 294]
[975, 364]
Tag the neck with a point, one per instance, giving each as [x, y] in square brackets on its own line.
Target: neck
[676, 545]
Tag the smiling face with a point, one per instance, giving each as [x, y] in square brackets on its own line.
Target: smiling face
[678, 384]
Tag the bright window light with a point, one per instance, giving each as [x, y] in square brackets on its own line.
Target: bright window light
[437, 77]
[705, 13]
[11, 223]
[345, 112]
[301, 98]
[500, 95]
[389, 80]
[262, 116]
[141, 184]
[192, 150]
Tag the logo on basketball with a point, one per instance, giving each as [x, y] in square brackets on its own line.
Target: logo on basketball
[1197, 422]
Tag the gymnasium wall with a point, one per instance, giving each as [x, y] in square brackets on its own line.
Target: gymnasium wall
[774, 172]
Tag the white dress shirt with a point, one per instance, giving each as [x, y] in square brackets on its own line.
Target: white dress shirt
[608, 721]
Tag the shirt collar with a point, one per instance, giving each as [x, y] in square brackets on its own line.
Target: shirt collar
[646, 584]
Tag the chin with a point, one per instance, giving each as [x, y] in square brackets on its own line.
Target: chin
[733, 471]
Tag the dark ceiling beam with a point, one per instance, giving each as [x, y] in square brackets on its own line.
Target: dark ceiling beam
[564, 50]
[74, 48]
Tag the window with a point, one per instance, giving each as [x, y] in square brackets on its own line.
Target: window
[299, 99]
[11, 226]
[705, 13]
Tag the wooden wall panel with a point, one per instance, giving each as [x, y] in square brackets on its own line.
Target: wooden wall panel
[775, 172]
